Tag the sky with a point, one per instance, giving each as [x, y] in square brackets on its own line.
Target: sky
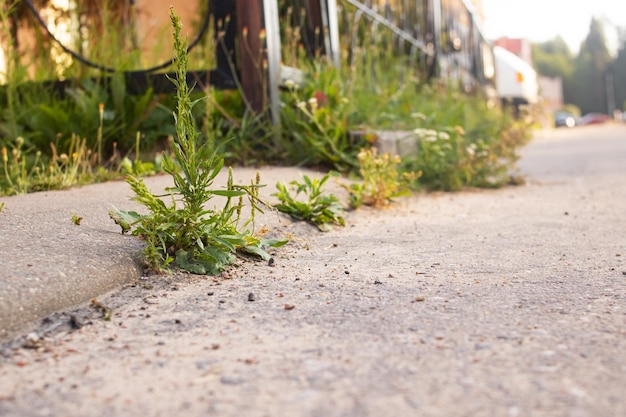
[541, 20]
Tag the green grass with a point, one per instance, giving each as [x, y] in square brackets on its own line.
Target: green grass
[373, 88]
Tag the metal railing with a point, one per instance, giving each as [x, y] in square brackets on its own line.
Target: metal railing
[440, 38]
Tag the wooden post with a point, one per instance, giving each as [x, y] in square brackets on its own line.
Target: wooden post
[315, 24]
[322, 18]
[251, 35]
[225, 33]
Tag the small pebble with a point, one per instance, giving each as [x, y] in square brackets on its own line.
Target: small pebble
[75, 322]
[210, 293]
[289, 306]
[420, 298]
[378, 282]
[228, 380]
[251, 297]
[271, 262]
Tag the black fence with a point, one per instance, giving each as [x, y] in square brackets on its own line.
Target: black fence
[255, 50]
[440, 38]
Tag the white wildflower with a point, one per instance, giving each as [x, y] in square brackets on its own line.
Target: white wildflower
[420, 116]
[426, 134]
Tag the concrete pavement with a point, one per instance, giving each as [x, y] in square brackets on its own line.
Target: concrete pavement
[48, 263]
[486, 303]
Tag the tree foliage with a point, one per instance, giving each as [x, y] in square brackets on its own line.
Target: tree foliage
[553, 58]
[590, 70]
[619, 72]
[583, 75]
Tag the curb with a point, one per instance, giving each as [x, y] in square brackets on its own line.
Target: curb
[48, 264]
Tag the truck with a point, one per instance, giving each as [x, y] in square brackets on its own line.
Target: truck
[516, 80]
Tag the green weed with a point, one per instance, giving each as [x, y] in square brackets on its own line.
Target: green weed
[76, 219]
[198, 240]
[376, 86]
[381, 180]
[17, 171]
[139, 168]
[316, 122]
[322, 210]
[463, 143]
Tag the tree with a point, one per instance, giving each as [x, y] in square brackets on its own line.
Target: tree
[553, 58]
[587, 88]
[619, 72]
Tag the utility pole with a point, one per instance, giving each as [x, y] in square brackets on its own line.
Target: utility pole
[610, 92]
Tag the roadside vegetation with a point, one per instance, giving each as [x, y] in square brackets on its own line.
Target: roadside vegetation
[94, 131]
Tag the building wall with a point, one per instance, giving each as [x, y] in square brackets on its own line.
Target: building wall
[551, 89]
[520, 47]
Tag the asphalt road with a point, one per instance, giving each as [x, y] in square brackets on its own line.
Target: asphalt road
[580, 154]
[487, 303]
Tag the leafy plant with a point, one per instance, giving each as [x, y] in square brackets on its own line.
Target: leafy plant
[17, 173]
[468, 144]
[316, 120]
[25, 172]
[444, 162]
[197, 239]
[138, 167]
[76, 219]
[381, 180]
[318, 209]
[68, 138]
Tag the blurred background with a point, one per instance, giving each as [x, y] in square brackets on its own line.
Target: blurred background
[577, 48]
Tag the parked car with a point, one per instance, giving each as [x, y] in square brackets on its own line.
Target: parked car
[594, 119]
[564, 119]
